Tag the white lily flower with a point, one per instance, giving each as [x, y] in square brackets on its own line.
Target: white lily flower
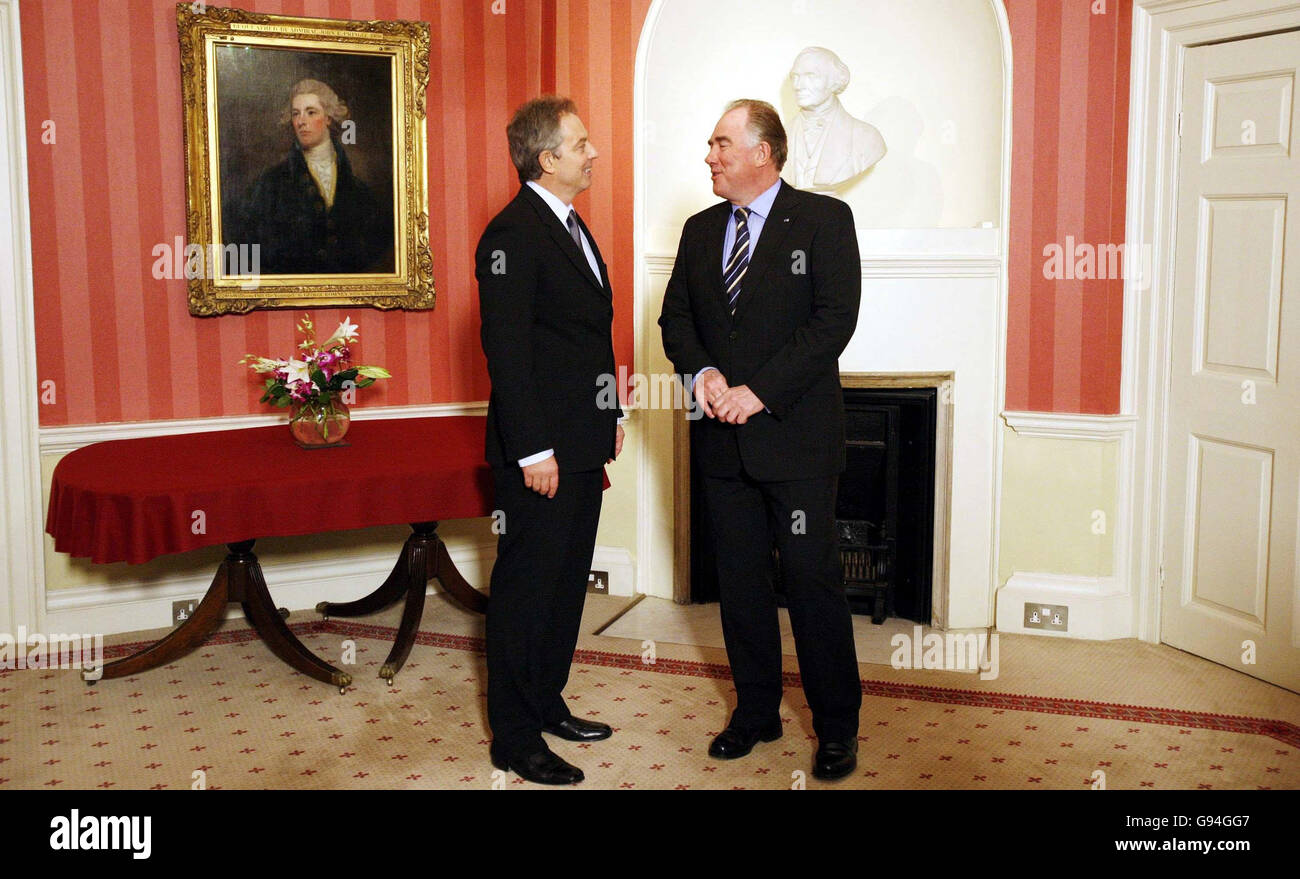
[298, 371]
[346, 332]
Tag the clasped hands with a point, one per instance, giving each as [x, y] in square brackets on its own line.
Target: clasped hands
[544, 476]
[726, 404]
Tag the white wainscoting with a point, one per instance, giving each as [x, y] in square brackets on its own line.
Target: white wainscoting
[1100, 607]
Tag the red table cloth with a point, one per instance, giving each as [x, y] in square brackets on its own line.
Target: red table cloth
[134, 500]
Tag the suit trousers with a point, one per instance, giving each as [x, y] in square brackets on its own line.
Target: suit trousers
[799, 515]
[539, 584]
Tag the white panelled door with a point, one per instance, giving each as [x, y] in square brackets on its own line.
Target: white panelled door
[1229, 558]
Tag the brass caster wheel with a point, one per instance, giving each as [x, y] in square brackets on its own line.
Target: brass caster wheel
[388, 681]
[323, 608]
[387, 672]
[343, 681]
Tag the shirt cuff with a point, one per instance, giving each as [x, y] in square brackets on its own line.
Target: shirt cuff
[697, 377]
[534, 459]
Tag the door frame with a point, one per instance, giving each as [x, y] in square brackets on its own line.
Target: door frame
[1163, 30]
[22, 546]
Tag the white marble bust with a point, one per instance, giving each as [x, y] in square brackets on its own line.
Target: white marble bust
[828, 147]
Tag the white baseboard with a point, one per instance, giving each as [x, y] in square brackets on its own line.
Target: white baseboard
[1099, 609]
[299, 586]
[618, 561]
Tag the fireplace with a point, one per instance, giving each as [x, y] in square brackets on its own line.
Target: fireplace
[885, 507]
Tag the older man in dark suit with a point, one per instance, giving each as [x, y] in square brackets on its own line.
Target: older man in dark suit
[546, 310]
[763, 298]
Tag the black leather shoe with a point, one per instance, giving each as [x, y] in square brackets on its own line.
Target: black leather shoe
[542, 767]
[835, 759]
[736, 741]
[577, 730]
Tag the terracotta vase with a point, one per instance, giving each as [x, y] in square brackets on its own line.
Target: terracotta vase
[316, 426]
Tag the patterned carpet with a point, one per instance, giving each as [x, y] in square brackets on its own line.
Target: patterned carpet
[237, 717]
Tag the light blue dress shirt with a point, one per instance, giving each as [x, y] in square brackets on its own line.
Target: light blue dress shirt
[759, 209]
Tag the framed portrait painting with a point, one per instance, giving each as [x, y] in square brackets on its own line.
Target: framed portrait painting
[306, 178]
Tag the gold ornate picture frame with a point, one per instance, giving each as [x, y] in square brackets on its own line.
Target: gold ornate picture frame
[305, 161]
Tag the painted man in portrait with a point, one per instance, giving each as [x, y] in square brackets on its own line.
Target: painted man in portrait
[309, 213]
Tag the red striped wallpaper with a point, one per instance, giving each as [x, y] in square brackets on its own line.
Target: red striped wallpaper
[1068, 174]
[121, 346]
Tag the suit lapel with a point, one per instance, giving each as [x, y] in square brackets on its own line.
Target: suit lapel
[770, 243]
[563, 240]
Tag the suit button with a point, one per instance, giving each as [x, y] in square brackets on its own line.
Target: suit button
[734, 336]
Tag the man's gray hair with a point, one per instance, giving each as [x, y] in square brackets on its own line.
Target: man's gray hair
[534, 129]
[335, 109]
[839, 79]
[763, 124]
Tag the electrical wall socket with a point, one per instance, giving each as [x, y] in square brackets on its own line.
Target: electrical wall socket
[183, 610]
[598, 582]
[1053, 617]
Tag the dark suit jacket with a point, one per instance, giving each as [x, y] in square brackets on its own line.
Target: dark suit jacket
[798, 308]
[546, 333]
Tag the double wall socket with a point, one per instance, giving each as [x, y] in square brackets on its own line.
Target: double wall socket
[1053, 617]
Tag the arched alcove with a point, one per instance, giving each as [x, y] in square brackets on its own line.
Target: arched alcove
[934, 77]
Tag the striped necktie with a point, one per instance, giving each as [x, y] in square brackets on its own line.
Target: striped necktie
[739, 261]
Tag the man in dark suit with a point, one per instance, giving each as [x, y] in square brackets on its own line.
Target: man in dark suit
[763, 298]
[310, 214]
[546, 312]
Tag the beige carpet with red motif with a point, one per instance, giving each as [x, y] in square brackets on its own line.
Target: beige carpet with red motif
[231, 715]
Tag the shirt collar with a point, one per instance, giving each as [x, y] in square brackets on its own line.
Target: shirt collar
[553, 202]
[763, 204]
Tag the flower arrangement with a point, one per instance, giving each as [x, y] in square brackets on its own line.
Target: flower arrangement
[315, 383]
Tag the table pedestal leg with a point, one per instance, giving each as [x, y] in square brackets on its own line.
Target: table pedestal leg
[185, 637]
[423, 557]
[239, 578]
[248, 587]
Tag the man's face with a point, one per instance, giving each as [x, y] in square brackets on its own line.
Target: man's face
[310, 123]
[811, 78]
[572, 167]
[731, 159]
